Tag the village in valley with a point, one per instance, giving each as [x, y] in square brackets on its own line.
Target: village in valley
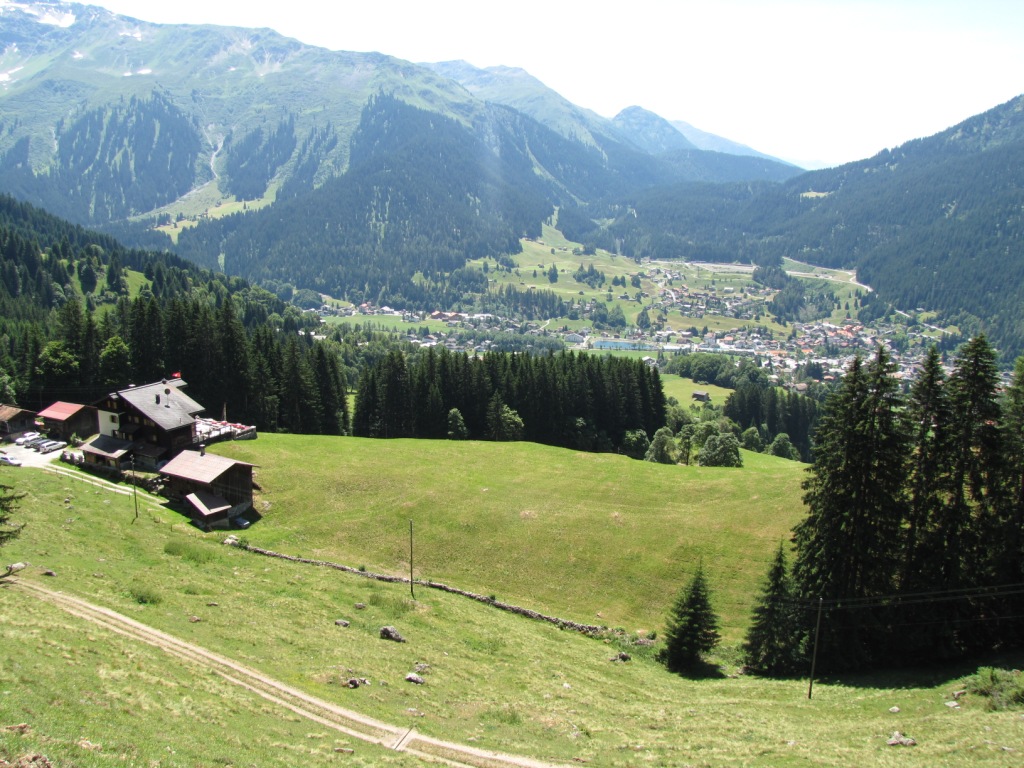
[710, 308]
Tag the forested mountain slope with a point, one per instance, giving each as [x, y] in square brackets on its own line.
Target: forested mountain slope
[935, 223]
[107, 118]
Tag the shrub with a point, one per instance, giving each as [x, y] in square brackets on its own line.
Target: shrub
[1002, 688]
[187, 550]
[144, 594]
[392, 605]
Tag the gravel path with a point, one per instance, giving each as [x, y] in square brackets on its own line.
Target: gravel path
[315, 709]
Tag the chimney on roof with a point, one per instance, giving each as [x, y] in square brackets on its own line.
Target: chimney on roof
[202, 449]
[158, 398]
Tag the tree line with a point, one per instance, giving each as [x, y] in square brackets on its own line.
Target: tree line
[580, 401]
[913, 545]
[69, 331]
[762, 415]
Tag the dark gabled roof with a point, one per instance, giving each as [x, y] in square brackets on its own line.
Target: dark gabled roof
[107, 446]
[11, 412]
[163, 403]
[147, 450]
[199, 467]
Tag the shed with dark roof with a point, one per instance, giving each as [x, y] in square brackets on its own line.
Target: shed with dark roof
[214, 480]
[15, 420]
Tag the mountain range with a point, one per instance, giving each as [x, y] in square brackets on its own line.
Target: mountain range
[376, 178]
[91, 99]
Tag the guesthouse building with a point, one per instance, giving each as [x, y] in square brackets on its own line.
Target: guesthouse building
[155, 421]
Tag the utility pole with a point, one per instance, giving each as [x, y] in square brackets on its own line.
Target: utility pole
[412, 584]
[814, 653]
[135, 490]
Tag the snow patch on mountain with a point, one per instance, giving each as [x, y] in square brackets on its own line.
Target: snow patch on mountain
[46, 14]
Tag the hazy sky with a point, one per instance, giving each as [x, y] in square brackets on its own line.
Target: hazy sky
[816, 82]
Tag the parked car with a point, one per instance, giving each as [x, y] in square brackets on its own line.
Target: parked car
[27, 437]
[241, 523]
[53, 445]
[45, 446]
[34, 442]
[10, 461]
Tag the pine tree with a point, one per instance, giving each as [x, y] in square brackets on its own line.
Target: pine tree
[976, 463]
[772, 642]
[1009, 557]
[848, 546]
[8, 505]
[456, 425]
[692, 628]
[929, 417]
[1007, 537]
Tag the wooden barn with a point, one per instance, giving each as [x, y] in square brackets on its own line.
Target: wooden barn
[15, 420]
[215, 488]
[65, 420]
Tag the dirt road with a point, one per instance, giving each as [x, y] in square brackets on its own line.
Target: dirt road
[315, 709]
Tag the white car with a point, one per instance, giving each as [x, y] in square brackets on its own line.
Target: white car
[26, 438]
[10, 461]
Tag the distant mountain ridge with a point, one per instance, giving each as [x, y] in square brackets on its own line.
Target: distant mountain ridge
[712, 143]
[138, 116]
[378, 178]
[650, 132]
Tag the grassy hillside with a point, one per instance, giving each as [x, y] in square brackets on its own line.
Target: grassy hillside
[525, 521]
[495, 681]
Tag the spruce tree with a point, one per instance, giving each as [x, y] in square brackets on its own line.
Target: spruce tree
[848, 546]
[1007, 536]
[8, 504]
[772, 643]
[1009, 560]
[692, 627]
[976, 464]
[929, 418]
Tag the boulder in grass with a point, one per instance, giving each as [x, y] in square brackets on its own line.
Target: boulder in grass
[412, 677]
[390, 633]
[899, 740]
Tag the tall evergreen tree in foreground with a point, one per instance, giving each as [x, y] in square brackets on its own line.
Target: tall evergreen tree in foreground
[914, 537]
[692, 627]
[848, 546]
[770, 646]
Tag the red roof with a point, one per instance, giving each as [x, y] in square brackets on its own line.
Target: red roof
[61, 411]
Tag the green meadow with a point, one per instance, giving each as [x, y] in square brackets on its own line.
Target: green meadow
[527, 522]
[592, 538]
